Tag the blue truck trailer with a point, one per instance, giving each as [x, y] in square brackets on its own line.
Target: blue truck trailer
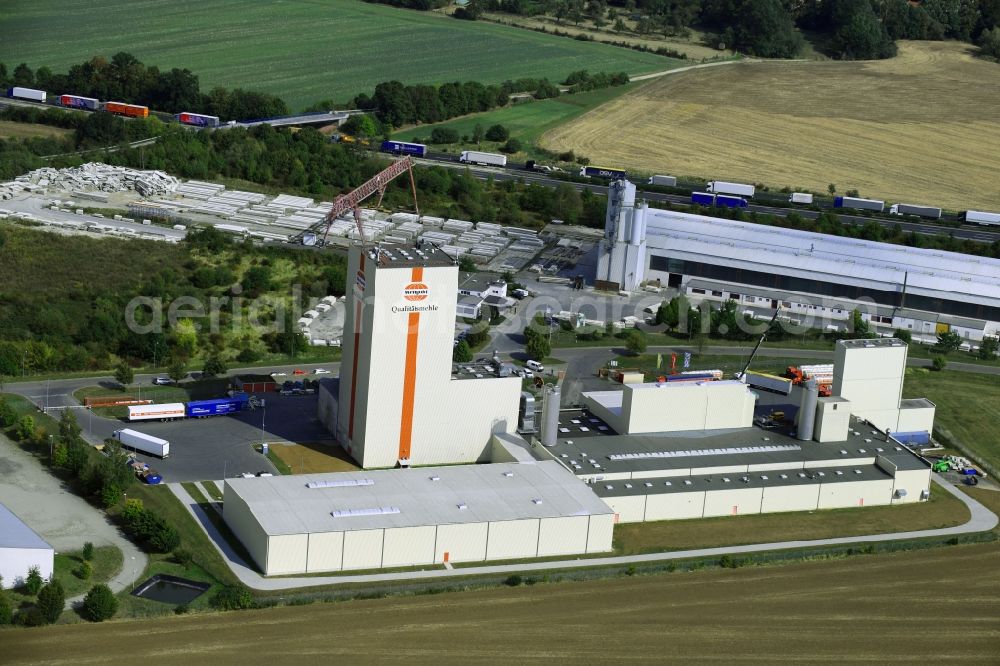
[217, 406]
[603, 172]
[404, 148]
[720, 200]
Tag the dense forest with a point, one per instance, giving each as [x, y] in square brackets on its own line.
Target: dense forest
[848, 29]
[125, 79]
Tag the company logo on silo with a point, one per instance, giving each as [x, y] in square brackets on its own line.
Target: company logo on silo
[415, 291]
[360, 280]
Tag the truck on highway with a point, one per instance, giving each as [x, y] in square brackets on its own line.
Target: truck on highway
[137, 441]
[665, 181]
[800, 198]
[609, 173]
[854, 202]
[739, 189]
[721, 200]
[77, 102]
[782, 385]
[130, 110]
[979, 217]
[197, 119]
[26, 93]
[485, 159]
[217, 406]
[404, 148]
[161, 412]
[913, 209]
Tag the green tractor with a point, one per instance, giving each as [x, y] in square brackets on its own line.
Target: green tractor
[941, 466]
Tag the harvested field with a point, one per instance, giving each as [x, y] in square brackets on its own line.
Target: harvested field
[866, 608]
[919, 128]
[314, 458]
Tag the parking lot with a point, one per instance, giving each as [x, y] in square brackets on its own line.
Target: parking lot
[222, 446]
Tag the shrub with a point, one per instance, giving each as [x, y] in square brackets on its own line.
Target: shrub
[182, 609]
[31, 617]
[88, 551]
[939, 363]
[233, 597]
[51, 600]
[183, 557]
[444, 135]
[513, 580]
[6, 610]
[497, 133]
[100, 603]
[512, 146]
[84, 571]
[33, 583]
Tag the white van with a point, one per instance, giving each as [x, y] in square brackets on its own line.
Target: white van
[535, 365]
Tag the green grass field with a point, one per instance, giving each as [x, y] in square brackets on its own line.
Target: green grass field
[527, 121]
[302, 50]
[968, 408]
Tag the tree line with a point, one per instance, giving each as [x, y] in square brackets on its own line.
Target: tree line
[852, 29]
[124, 78]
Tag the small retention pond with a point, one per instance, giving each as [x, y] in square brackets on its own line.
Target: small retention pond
[170, 589]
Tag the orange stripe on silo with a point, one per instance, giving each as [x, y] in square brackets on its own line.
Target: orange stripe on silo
[409, 375]
[354, 362]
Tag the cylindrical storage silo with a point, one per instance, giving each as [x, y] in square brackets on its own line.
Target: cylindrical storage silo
[550, 415]
[638, 225]
[807, 410]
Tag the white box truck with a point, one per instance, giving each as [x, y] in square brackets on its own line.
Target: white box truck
[979, 217]
[739, 189]
[161, 412]
[485, 159]
[801, 198]
[666, 181]
[26, 93]
[143, 443]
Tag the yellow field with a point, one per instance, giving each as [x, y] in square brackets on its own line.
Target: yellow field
[12, 130]
[917, 607]
[920, 128]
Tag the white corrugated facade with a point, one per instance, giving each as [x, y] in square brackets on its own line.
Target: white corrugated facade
[21, 549]
[412, 517]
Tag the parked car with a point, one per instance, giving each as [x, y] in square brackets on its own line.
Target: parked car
[279, 374]
[299, 371]
[164, 381]
[322, 371]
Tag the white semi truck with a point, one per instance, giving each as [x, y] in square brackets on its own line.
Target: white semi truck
[739, 189]
[485, 159]
[143, 443]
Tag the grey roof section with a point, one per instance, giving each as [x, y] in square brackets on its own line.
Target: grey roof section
[15, 534]
[743, 446]
[477, 281]
[489, 493]
[871, 343]
[409, 255]
[700, 482]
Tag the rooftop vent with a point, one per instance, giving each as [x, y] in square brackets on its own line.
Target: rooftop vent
[648, 484]
[840, 473]
[687, 482]
[609, 487]
[373, 511]
[536, 501]
[667, 483]
[508, 474]
[857, 471]
[435, 478]
[463, 506]
[340, 483]
[764, 477]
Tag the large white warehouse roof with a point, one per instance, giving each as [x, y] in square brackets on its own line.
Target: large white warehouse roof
[15, 534]
[821, 254]
[383, 499]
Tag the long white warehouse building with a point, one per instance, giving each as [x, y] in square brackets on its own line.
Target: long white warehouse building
[412, 517]
[922, 290]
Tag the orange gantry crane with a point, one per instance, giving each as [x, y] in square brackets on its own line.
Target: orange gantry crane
[352, 201]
